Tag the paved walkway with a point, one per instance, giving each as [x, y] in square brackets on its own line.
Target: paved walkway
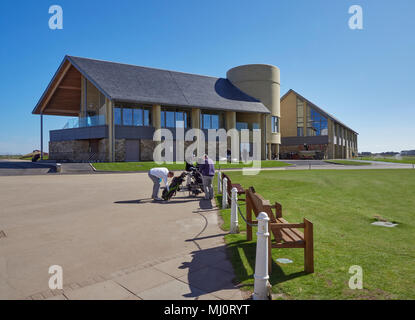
[110, 239]
[322, 165]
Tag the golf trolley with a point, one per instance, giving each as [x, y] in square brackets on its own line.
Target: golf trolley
[194, 183]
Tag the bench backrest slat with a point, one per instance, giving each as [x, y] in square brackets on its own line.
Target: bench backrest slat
[259, 204]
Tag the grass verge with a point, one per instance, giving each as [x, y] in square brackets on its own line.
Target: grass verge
[145, 166]
[342, 205]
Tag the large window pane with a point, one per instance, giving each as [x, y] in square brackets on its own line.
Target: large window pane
[215, 121]
[117, 116]
[241, 125]
[316, 123]
[147, 117]
[138, 117]
[275, 125]
[179, 120]
[163, 119]
[206, 121]
[127, 116]
[170, 119]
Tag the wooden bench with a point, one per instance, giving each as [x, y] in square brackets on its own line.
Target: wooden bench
[285, 234]
[230, 186]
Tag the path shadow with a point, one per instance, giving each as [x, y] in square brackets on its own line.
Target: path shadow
[138, 201]
[249, 250]
[16, 165]
[205, 204]
[208, 272]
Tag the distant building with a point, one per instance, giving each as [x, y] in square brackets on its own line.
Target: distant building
[365, 154]
[307, 131]
[389, 153]
[408, 153]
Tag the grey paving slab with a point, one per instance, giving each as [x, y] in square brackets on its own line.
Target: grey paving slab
[106, 290]
[179, 267]
[143, 279]
[173, 290]
[209, 280]
[58, 297]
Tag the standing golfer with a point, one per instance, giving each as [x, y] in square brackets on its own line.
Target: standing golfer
[158, 174]
[207, 169]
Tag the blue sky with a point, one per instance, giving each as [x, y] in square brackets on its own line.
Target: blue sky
[365, 77]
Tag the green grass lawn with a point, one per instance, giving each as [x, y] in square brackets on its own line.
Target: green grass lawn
[408, 160]
[348, 162]
[342, 206]
[145, 166]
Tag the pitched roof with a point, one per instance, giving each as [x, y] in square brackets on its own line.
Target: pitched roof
[129, 83]
[328, 115]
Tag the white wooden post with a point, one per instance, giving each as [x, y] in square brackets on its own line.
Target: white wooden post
[225, 193]
[234, 211]
[261, 262]
[219, 182]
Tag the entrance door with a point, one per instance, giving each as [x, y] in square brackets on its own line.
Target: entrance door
[132, 150]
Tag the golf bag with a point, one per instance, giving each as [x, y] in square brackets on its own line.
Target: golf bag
[196, 181]
[173, 187]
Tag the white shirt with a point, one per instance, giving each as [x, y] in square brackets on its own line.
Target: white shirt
[161, 173]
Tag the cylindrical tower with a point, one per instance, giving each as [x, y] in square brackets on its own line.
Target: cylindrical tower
[262, 82]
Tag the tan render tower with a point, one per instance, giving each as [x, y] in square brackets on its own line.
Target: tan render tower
[262, 82]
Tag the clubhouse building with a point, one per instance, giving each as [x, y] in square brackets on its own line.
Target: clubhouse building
[116, 108]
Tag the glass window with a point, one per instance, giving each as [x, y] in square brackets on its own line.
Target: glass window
[316, 123]
[241, 125]
[127, 116]
[211, 120]
[300, 117]
[170, 123]
[172, 118]
[275, 125]
[138, 117]
[117, 116]
[147, 117]
[215, 121]
[206, 121]
[162, 119]
[180, 120]
[255, 125]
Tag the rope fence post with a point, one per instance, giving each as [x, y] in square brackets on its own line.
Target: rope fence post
[234, 212]
[261, 262]
[224, 193]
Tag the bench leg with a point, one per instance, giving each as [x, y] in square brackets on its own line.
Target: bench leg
[309, 247]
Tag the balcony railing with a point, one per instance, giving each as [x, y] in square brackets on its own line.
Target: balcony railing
[90, 121]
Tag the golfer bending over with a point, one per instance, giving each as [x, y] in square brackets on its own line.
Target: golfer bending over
[158, 174]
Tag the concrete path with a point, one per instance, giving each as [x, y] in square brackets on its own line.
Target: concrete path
[322, 165]
[76, 168]
[110, 239]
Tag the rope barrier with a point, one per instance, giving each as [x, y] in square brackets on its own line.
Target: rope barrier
[249, 224]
